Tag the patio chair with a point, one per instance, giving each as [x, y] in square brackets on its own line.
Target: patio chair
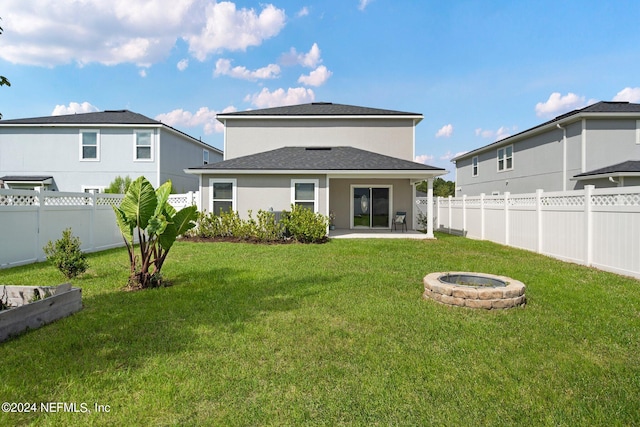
[400, 219]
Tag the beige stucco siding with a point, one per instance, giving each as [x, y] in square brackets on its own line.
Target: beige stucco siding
[391, 137]
[255, 192]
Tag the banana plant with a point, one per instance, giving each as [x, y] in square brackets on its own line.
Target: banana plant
[147, 214]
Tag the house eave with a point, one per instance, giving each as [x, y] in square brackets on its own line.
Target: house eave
[417, 117]
[606, 175]
[330, 173]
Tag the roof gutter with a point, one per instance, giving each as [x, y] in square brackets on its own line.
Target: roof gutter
[333, 173]
[417, 117]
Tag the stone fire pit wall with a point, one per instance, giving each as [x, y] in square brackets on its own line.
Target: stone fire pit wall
[511, 295]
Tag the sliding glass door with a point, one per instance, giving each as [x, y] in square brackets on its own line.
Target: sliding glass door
[371, 207]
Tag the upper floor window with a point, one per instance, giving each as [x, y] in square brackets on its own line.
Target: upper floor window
[304, 192]
[474, 166]
[143, 149]
[90, 145]
[505, 158]
[205, 157]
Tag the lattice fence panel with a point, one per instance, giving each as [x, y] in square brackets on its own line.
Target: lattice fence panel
[616, 200]
[18, 200]
[563, 201]
[75, 200]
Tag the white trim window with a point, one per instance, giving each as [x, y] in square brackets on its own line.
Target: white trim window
[304, 192]
[222, 195]
[143, 145]
[505, 158]
[474, 166]
[205, 157]
[89, 145]
[93, 189]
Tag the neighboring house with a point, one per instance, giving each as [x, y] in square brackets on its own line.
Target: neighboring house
[86, 152]
[596, 145]
[354, 162]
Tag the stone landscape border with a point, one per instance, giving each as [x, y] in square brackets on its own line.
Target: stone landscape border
[487, 297]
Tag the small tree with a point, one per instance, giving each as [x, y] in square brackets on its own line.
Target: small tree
[119, 185]
[147, 212]
[66, 255]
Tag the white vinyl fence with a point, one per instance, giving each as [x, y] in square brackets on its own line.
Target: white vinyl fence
[594, 227]
[29, 219]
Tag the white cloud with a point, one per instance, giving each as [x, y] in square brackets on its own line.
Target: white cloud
[280, 97]
[223, 68]
[74, 108]
[230, 29]
[203, 117]
[445, 131]
[363, 4]
[141, 32]
[142, 73]
[502, 133]
[629, 94]
[558, 104]
[317, 77]
[183, 64]
[53, 33]
[449, 155]
[310, 59]
[424, 158]
[303, 12]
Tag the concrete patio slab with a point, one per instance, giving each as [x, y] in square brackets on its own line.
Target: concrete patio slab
[375, 234]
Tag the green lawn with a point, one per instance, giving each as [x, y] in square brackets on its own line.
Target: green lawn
[333, 334]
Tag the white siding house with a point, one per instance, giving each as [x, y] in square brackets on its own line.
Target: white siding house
[596, 145]
[86, 152]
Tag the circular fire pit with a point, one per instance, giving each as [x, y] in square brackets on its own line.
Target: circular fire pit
[474, 290]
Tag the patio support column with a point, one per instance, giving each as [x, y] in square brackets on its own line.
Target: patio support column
[430, 208]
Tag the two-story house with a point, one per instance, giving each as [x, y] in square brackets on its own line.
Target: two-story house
[86, 152]
[596, 145]
[353, 162]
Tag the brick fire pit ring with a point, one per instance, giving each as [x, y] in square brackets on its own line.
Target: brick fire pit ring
[474, 290]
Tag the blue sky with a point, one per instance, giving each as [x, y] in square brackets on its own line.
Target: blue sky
[477, 70]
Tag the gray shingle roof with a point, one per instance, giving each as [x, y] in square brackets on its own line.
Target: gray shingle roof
[101, 117]
[29, 178]
[630, 166]
[320, 109]
[318, 158]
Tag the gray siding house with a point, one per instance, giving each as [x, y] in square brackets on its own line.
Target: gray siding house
[596, 145]
[353, 162]
[86, 152]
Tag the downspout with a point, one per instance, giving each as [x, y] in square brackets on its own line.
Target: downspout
[224, 139]
[158, 132]
[564, 157]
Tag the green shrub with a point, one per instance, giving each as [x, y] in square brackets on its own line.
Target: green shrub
[300, 224]
[66, 255]
[268, 228]
[304, 225]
